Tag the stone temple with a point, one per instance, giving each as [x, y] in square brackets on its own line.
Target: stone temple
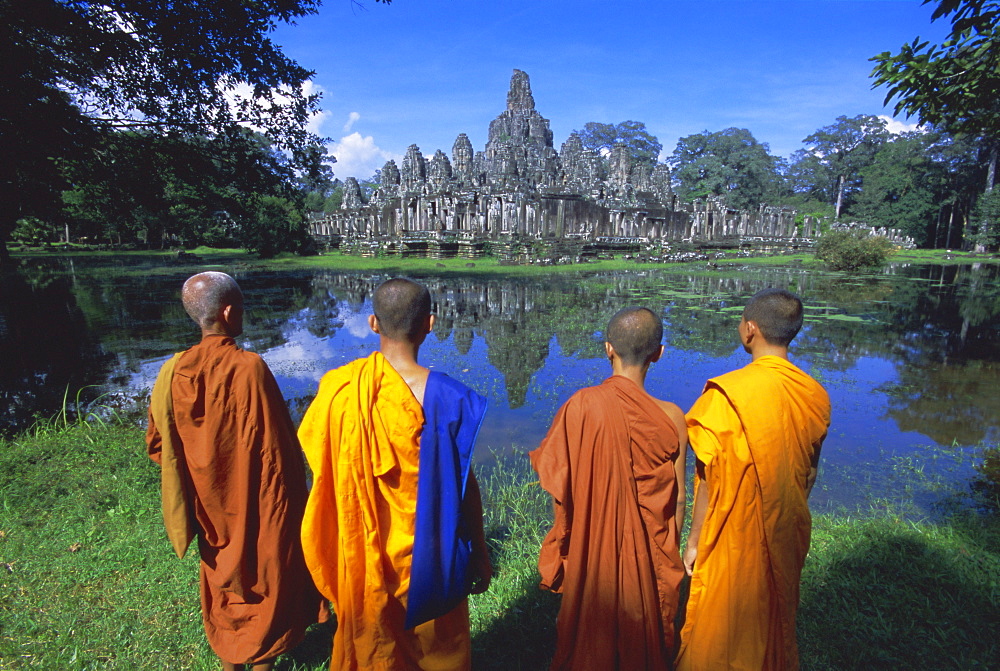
[520, 198]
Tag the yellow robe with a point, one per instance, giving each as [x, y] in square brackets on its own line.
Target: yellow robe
[756, 430]
[361, 436]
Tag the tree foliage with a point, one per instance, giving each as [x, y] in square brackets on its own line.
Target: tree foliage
[901, 186]
[76, 70]
[987, 216]
[730, 163]
[955, 83]
[603, 137]
[836, 154]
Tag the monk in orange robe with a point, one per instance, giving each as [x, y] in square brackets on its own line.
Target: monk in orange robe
[756, 433]
[613, 462]
[233, 475]
[393, 531]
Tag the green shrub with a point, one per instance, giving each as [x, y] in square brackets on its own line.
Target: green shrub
[853, 250]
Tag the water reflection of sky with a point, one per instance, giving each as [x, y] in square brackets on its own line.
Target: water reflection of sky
[910, 360]
[863, 441]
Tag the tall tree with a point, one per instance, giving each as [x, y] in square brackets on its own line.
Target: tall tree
[837, 153]
[953, 84]
[902, 185]
[200, 66]
[603, 137]
[730, 163]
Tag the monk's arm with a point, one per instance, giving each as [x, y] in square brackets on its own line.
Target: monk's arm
[697, 517]
[813, 467]
[472, 511]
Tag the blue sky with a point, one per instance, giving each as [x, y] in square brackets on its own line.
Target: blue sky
[423, 71]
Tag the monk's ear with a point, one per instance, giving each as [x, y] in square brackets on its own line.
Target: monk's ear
[430, 323]
[656, 357]
[609, 350]
[373, 324]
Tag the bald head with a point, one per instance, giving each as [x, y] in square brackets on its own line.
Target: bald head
[635, 335]
[206, 296]
[777, 313]
[402, 307]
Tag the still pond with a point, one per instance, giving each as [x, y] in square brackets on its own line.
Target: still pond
[910, 356]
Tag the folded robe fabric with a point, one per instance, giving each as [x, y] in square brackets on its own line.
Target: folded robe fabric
[174, 486]
[608, 462]
[442, 546]
[756, 430]
[364, 437]
[245, 486]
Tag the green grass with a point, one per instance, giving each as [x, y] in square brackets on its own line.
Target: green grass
[88, 580]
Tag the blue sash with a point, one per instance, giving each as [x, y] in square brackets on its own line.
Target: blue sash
[442, 546]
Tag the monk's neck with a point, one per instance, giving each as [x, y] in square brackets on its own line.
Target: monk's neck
[635, 373]
[766, 349]
[402, 356]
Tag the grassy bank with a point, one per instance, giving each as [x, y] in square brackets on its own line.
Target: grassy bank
[237, 259]
[88, 581]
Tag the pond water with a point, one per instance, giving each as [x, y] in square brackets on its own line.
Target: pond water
[910, 356]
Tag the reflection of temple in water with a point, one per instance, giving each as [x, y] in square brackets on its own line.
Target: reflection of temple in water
[517, 319]
[520, 190]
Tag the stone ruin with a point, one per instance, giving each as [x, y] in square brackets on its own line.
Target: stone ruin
[522, 200]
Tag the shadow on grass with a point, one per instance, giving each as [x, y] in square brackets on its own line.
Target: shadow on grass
[900, 595]
[313, 652]
[523, 635]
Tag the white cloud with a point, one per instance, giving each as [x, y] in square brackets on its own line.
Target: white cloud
[354, 116]
[235, 92]
[896, 127]
[359, 156]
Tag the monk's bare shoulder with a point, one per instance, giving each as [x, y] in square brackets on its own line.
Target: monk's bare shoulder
[676, 415]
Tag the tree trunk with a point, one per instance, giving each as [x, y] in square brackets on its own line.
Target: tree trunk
[6, 226]
[840, 196]
[991, 170]
[951, 223]
[937, 228]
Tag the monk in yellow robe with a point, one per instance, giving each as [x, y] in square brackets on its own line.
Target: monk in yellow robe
[233, 475]
[393, 531]
[756, 433]
[613, 462]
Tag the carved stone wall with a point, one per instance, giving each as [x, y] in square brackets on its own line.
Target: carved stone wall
[520, 187]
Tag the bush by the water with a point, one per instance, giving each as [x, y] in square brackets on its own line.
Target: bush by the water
[854, 250]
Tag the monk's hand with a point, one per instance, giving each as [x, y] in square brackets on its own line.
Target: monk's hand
[482, 572]
[690, 555]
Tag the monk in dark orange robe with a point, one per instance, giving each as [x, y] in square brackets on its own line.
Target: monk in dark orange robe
[613, 462]
[756, 433]
[393, 531]
[234, 476]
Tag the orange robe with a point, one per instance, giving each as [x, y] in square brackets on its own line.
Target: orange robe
[245, 485]
[361, 436]
[608, 461]
[757, 431]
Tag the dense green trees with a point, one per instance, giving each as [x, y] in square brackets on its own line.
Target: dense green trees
[74, 72]
[602, 138]
[836, 154]
[954, 84]
[729, 163]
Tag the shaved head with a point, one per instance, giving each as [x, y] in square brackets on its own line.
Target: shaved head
[402, 307]
[635, 334]
[777, 313]
[205, 295]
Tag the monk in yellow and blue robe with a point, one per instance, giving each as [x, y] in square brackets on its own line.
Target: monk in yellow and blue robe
[756, 433]
[393, 530]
